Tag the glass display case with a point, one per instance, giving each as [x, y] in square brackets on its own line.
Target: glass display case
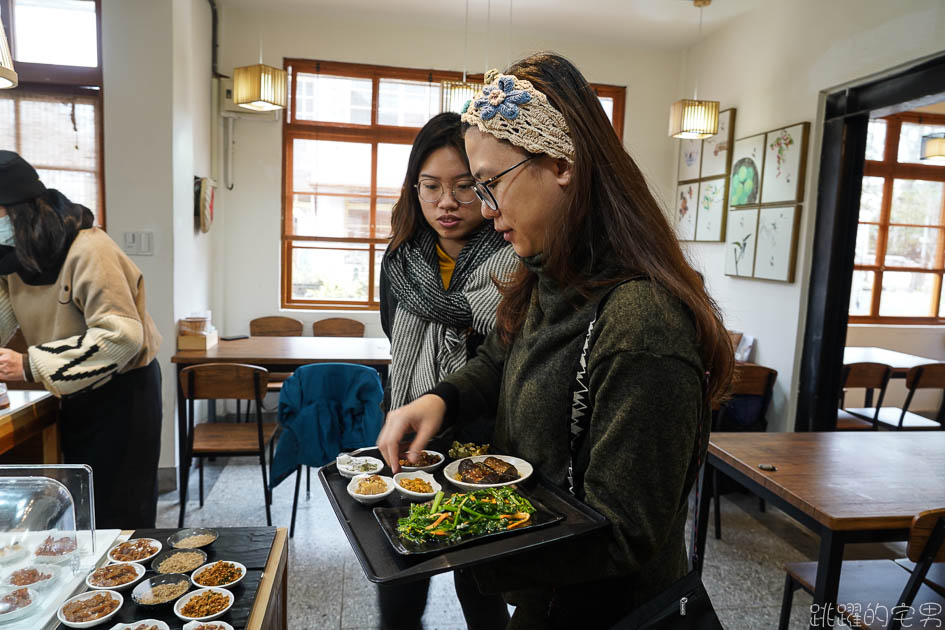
[48, 541]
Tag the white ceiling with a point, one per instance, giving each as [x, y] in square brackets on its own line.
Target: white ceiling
[666, 24]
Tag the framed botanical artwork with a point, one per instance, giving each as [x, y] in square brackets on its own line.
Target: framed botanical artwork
[690, 158]
[785, 161]
[710, 221]
[748, 156]
[686, 210]
[716, 150]
[741, 241]
[777, 242]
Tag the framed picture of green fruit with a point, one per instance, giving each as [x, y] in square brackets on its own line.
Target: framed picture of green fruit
[785, 162]
[748, 156]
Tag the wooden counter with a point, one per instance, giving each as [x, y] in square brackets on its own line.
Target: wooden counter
[29, 433]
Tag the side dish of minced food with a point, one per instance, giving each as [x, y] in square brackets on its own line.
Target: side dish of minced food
[465, 514]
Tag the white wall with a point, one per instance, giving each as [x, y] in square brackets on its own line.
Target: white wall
[773, 66]
[251, 268]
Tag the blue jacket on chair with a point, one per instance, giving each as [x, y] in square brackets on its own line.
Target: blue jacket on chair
[324, 409]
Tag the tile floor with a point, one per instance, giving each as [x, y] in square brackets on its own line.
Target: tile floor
[327, 588]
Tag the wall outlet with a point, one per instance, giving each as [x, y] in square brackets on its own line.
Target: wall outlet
[138, 243]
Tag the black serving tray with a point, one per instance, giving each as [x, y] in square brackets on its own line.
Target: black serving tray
[382, 564]
[387, 518]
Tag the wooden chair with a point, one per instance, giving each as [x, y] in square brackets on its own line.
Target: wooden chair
[885, 583]
[869, 376]
[274, 326]
[750, 383]
[338, 327]
[214, 381]
[928, 376]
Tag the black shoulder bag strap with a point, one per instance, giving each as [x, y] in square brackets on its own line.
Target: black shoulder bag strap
[685, 605]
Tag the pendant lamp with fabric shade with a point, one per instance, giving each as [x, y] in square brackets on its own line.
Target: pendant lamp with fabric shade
[260, 88]
[8, 78]
[693, 117]
[933, 147]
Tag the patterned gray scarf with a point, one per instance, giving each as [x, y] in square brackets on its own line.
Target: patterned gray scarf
[431, 324]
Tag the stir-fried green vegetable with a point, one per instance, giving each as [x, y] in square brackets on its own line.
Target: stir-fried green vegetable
[478, 512]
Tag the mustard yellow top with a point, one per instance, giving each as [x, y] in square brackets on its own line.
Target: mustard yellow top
[447, 265]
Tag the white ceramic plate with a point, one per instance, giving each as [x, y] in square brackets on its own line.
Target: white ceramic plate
[139, 569]
[10, 555]
[417, 475]
[369, 499]
[348, 466]
[180, 603]
[429, 468]
[196, 574]
[221, 625]
[525, 471]
[48, 569]
[64, 558]
[19, 612]
[94, 622]
[154, 542]
[147, 622]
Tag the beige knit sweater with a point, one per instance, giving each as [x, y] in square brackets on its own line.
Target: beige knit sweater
[89, 325]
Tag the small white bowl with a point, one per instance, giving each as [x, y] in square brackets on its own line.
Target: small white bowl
[369, 499]
[417, 475]
[139, 569]
[196, 573]
[10, 556]
[19, 612]
[148, 622]
[52, 570]
[346, 465]
[144, 559]
[429, 468]
[180, 603]
[192, 625]
[524, 470]
[94, 622]
[64, 558]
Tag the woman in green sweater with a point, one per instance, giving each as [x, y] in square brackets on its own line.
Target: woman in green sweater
[560, 187]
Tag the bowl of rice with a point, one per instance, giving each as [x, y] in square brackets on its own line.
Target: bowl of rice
[178, 560]
[161, 589]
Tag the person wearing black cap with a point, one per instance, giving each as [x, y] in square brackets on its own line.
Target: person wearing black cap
[80, 304]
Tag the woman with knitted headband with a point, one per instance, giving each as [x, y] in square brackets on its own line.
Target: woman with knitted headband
[601, 273]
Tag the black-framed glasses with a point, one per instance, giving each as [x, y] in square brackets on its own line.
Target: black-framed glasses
[485, 193]
[431, 191]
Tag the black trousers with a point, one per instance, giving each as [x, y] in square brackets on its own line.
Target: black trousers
[116, 429]
[402, 604]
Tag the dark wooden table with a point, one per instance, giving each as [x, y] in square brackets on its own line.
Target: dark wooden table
[900, 362]
[29, 432]
[845, 486]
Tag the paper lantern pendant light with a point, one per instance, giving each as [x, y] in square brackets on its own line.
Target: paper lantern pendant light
[260, 88]
[8, 78]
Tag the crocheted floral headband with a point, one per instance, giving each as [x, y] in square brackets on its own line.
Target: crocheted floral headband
[512, 109]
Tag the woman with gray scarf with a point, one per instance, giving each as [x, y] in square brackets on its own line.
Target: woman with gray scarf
[438, 302]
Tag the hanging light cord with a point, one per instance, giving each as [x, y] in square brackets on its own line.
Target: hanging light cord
[465, 40]
[488, 20]
[696, 91]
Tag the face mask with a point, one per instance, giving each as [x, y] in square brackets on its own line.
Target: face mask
[6, 231]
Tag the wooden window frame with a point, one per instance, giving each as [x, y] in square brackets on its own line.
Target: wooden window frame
[64, 79]
[373, 134]
[890, 169]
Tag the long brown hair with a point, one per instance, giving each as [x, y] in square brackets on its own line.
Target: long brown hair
[443, 130]
[611, 228]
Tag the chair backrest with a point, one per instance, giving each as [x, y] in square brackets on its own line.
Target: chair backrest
[866, 375]
[338, 327]
[751, 390]
[735, 338]
[275, 326]
[224, 381]
[923, 526]
[928, 376]
[752, 380]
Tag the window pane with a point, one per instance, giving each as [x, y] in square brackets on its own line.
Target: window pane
[391, 167]
[78, 186]
[906, 294]
[48, 137]
[861, 293]
[407, 103]
[871, 199]
[331, 216]
[332, 167]
[61, 32]
[910, 141]
[327, 98]
[384, 210]
[876, 140]
[917, 202]
[7, 123]
[912, 247]
[339, 274]
[378, 256]
[866, 236]
[608, 104]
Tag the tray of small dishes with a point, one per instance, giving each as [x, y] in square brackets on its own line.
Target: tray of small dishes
[472, 506]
